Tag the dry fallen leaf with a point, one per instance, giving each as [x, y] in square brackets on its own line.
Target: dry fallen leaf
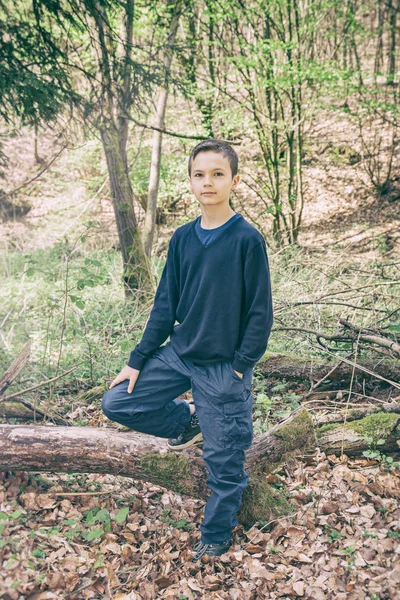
[299, 587]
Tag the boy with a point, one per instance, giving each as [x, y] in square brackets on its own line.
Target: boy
[216, 285]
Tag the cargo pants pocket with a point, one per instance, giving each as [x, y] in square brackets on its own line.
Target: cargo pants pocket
[238, 423]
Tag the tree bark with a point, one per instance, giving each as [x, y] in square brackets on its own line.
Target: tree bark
[137, 273]
[294, 366]
[151, 211]
[136, 455]
[111, 119]
[15, 368]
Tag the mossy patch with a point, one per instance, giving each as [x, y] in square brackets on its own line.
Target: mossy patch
[261, 502]
[327, 427]
[298, 433]
[378, 426]
[170, 471]
[375, 428]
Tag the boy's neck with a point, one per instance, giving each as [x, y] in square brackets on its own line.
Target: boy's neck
[213, 219]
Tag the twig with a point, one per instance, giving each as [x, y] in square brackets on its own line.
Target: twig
[35, 387]
[312, 302]
[326, 376]
[81, 493]
[178, 135]
[329, 392]
[14, 191]
[365, 369]
[348, 398]
[269, 523]
[55, 416]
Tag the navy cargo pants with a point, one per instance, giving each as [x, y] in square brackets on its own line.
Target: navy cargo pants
[223, 404]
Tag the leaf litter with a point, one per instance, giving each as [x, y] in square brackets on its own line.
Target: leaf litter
[132, 540]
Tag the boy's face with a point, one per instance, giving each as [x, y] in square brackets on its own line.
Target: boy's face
[211, 178]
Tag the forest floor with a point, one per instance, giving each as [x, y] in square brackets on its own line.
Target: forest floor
[105, 537]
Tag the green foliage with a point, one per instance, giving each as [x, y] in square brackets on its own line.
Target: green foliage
[386, 461]
[27, 92]
[71, 295]
[335, 535]
[277, 405]
[122, 514]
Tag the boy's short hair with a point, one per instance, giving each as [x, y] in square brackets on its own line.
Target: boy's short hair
[218, 146]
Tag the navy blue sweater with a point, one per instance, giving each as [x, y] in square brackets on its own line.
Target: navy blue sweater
[219, 295]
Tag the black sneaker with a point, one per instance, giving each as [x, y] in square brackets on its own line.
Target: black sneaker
[189, 437]
[216, 549]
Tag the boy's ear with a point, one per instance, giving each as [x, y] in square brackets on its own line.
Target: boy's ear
[236, 180]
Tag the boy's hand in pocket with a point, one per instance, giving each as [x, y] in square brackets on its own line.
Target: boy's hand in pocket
[126, 373]
[239, 374]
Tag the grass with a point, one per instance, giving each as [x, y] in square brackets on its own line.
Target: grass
[98, 322]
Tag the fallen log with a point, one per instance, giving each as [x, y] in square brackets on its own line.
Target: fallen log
[303, 368]
[19, 408]
[357, 413]
[144, 457]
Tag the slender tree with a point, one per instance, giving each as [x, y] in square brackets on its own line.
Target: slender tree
[175, 9]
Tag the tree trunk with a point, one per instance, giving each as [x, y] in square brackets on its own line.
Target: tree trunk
[151, 210]
[137, 272]
[392, 10]
[136, 455]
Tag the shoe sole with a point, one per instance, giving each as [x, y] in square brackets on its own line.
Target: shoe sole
[197, 438]
[195, 560]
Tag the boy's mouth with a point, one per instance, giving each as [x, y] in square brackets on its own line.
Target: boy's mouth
[207, 193]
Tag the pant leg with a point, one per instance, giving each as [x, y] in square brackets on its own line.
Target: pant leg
[152, 407]
[224, 406]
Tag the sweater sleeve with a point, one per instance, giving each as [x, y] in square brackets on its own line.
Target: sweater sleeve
[258, 309]
[162, 316]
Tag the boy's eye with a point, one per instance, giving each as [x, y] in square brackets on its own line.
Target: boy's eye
[219, 174]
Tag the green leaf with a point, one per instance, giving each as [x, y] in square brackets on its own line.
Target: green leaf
[103, 515]
[99, 562]
[282, 413]
[93, 534]
[122, 514]
[16, 514]
[279, 386]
